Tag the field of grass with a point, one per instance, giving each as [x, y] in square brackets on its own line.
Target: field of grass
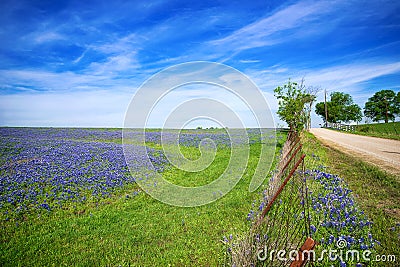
[106, 219]
[115, 225]
[376, 192]
[389, 130]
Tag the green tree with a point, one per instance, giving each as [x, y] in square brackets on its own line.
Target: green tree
[341, 108]
[292, 98]
[383, 105]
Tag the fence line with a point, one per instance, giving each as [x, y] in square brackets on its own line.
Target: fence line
[341, 126]
[265, 211]
[284, 222]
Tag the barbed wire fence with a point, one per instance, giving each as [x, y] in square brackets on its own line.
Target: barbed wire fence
[280, 233]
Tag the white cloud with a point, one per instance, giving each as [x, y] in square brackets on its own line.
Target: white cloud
[348, 76]
[78, 59]
[115, 64]
[121, 56]
[249, 61]
[44, 37]
[101, 101]
[180, 98]
[103, 108]
[125, 44]
[47, 80]
[263, 32]
[102, 77]
[92, 109]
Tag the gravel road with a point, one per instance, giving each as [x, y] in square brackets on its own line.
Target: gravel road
[384, 153]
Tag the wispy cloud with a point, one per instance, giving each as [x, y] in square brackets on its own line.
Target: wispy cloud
[48, 37]
[117, 64]
[124, 44]
[49, 81]
[93, 109]
[78, 59]
[265, 31]
[249, 61]
[350, 75]
[349, 78]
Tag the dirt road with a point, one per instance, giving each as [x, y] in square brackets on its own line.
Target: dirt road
[384, 153]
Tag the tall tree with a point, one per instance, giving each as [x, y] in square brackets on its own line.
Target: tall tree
[292, 98]
[383, 105]
[340, 107]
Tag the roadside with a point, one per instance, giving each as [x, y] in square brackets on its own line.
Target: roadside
[383, 153]
[390, 130]
[377, 192]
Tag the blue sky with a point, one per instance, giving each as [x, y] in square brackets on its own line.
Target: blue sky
[78, 63]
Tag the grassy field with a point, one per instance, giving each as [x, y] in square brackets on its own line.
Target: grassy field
[375, 191]
[132, 229]
[389, 130]
[128, 227]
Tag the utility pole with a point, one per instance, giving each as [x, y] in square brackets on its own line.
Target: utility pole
[387, 111]
[326, 112]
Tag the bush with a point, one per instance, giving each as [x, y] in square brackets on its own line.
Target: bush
[365, 129]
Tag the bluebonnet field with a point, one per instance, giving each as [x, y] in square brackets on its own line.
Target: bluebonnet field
[67, 198]
[45, 168]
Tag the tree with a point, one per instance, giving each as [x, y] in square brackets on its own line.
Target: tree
[292, 98]
[341, 108]
[383, 105]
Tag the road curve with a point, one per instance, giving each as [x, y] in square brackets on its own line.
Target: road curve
[384, 153]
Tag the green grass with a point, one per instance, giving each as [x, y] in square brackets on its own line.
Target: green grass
[141, 231]
[389, 130]
[135, 231]
[377, 192]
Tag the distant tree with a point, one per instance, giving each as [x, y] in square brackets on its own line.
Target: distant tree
[341, 108]
[355, 113]
[383, 105]
[292, 98]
